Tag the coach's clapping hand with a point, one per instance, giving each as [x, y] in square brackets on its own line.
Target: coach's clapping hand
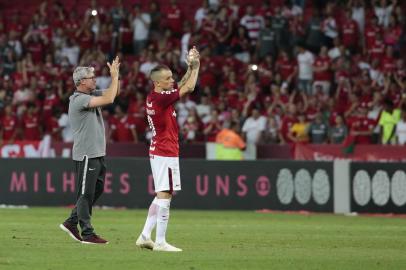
[114, 67]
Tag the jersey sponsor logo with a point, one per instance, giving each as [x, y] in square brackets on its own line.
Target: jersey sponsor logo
[92, 169]
[168, 92]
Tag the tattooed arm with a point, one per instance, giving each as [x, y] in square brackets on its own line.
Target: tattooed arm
[188, 82]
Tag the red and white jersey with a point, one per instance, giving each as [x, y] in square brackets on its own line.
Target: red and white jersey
[253, 25]
[30, 124]
[122, 128]
[322, 75]
[161, 117]
[349, 32]
[8, 124]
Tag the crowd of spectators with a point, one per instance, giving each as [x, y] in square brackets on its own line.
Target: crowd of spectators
[284, 71]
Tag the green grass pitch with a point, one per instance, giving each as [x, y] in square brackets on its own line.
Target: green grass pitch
[30, 239]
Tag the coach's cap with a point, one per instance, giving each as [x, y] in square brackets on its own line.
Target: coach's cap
[82, 72]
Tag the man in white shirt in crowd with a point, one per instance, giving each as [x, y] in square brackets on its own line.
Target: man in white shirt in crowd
[71, 50]
[253, 127]
[63, 122]
[201, 14]
[305, 60]
[204, 108]
[149, 63]
[140, 25]
[401, 128]
[253, 22]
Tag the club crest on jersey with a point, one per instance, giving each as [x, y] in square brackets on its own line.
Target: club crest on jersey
[174, 114]
[149, 104]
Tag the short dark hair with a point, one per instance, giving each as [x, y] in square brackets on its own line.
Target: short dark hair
[158, 68]
[388, 102]
[234, 124]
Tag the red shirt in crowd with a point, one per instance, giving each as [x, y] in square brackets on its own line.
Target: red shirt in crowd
[15, 26]
[8, 126]
[46, 30]
[126, 35]
[392, 35]
[207, 29]
[222, 27]
[311, 113]
[49, 102]
[232, 62]
[86, 40]
[174, 19]
[71, 25]
[265, 11]
[342, 104]
[216, 128]
[206, 76]
[104, 40]
[349, 32]
[36, 49]
[388, 64]
[287, 122]
[370, 35]
[121, 128]
[31, 128]
[138, 80]
[332, 117]
[322, 75]
[137, 111]
[363, 123]
[365, 100]
[377, 49]
[53, 128]
[285, 67]
[161, 117]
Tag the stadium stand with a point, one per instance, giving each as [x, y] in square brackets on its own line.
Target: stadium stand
[287, 71]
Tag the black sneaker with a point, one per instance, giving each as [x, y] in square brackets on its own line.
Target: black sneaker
[94, 239]
[72, 230]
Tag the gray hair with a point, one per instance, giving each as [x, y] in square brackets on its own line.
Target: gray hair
[82, 72]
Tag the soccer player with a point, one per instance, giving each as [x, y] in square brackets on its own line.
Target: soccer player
[164, 147]
[89, 148]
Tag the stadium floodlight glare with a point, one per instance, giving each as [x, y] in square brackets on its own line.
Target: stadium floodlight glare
[254, 67]
[94, 12]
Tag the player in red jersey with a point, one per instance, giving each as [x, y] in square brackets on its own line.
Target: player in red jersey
[164, 148]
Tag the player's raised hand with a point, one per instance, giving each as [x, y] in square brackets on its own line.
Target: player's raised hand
[114, 67]
[193, 57]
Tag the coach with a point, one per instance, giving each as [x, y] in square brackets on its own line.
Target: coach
[89, 148]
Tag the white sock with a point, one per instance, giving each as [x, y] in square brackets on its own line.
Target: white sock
[151, 219]
[162, 220]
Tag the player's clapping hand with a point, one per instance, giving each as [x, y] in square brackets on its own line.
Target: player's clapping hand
[114, 67]
[193, 57]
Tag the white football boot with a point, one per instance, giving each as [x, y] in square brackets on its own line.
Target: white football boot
[143, 242]
[166, 247]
